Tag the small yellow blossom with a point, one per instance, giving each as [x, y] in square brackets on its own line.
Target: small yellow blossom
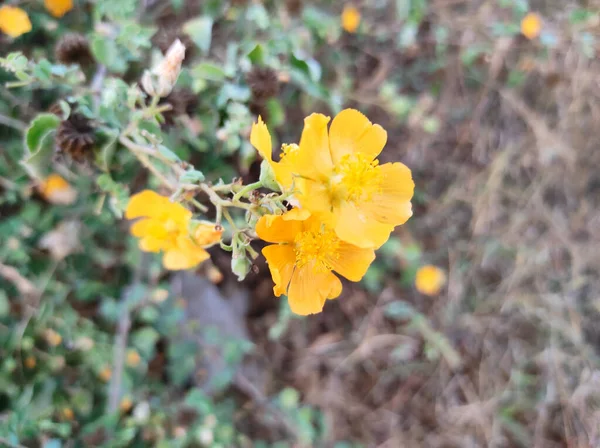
[350, 18]
[57, 190]
[52, 337]
[430, 280]
[304, 256]
[133, 358]
[58, 8]
[126, 404]
[105, 374]
[67, 413]
[166, 227]
[30, 362]
[14, 21]
[336, 174]
[531, 25]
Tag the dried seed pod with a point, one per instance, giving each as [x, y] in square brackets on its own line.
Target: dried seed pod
[263, 82]
[75, 137]
[259, 109]
[294, 7]
[166, 36]
[73, 48]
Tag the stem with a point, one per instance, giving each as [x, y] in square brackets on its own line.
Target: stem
[12, 123]
[142, 156]
[247, 189]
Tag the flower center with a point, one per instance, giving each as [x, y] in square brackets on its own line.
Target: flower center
[316, 247]
[287, 149]
[356, 177]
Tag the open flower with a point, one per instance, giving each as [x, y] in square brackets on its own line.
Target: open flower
[58, 8]
[336, 173]
[430, 280]
[350, 18]
[57, 190]
[165, 226]
[531, 25]
[304, 257]
[14, 21]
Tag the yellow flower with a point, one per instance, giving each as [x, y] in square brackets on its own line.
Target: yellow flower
[52, 337]
[430, 280]
[126, 404]
[337, 174]
[133, 358]
[350, 18]
[304, 256]
[166, 227]
[531, 25]
[261, 140]
[30, 362]
[14, 21]
[58, 8]
[57, 190]
[105, 374]
[67, 413]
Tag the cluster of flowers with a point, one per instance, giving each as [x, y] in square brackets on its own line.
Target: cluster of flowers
[15, 21]
[345, 205]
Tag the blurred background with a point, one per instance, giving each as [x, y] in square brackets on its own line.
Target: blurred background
[477, 325]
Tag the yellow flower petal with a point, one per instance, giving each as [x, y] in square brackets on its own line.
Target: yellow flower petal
[146, 204]
[14, 21]
[207, 234]
[358, 228]
[352, 132]
[350, 261]
[281, 228]
[261, 140]
[391, 204]
[58, 8]
[57, 190]
[151, 244]
[148, 228]
[531, 25]
[313, 158]
[281, 260]
[430, 280]
[309, 289]
[350, 18]
[179, 259]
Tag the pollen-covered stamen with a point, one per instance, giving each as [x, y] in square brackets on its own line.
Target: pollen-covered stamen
[357, 177]
[287, 149]
[317, 247]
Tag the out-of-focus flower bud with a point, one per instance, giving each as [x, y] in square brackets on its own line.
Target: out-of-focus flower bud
[267, 176]
[162, 78]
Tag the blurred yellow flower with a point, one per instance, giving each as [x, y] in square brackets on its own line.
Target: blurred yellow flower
[105, 374]
[126, 404]
[52, 337]
[57, 190]
[350, 18]
[336, 174]
[30, 362]
[304, 256]
[14, 21]
[430, 280]
[67, 413]
[58, 8]
[133, 358]
[531, 25]
[166, 227]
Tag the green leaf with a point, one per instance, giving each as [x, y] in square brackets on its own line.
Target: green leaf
[192, 176]
[199, 401]
[399, 310]
[144, 341]
[106, 52]
[209, 71]
[106, 153]
[259, 15]
[39, 144]
[257, 55]
[167, 153]
[200, 31]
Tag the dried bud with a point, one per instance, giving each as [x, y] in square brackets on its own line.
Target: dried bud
[162, 78]
[75, 137]
[263, 82]
[73, 48]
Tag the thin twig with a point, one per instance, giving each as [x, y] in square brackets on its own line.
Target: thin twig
[12, 123]
[143, 158]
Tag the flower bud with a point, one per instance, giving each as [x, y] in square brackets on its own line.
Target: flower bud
[240, 265]
[267, 176]
[162, 78]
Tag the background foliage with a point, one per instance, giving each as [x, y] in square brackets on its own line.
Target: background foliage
[101, 347]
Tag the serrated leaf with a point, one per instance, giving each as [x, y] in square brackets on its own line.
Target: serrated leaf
[200, 31]
[192, 176]
[106, 52]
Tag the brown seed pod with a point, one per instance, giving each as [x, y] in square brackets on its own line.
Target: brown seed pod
[75, 137]
[73, 48]
[294, 7]
[165, 37]
[259, 109]
[263, 82]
